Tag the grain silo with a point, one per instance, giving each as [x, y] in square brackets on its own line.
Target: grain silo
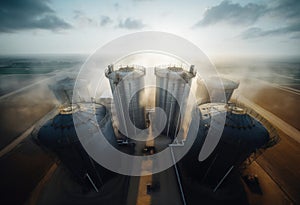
[125, 84]
[173, 87]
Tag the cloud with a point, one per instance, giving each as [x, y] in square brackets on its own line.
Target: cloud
[142, 0]
[256, 32]
[116, 6]
[286, 12]
[82, 19]
[105, 20]
[253, 32]
[29, 14]
[296, 36]
[288, 9]
[232, 13]
[130, 23]
[78, 14]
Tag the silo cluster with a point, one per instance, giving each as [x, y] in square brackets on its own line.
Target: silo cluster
[172, 89]
[243, 134]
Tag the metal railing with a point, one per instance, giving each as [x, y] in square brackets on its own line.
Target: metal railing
[273, 134]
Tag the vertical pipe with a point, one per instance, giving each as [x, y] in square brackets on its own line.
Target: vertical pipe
[93, 184]
[223, 178]
[178, 177]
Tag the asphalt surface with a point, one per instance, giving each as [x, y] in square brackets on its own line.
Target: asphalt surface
[165, 184]
[21, 170]
[167, 192]
[22, 110]
[281, 102]
[62, 189]
[280, 162]
[269, 191]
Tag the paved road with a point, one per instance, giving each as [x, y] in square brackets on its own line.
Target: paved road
[281, 162]
[24, 106]
[271, 193]
[168, 191]
[281, 102]
[21, 170]
[276, 121]
[27, 133]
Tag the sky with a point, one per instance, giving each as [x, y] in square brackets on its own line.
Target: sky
[218, 27]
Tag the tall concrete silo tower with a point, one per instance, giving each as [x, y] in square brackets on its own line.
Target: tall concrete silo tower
[172, 83]
[124, 83]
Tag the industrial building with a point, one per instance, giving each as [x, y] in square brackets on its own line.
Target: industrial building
[243, 138]
[59, 136]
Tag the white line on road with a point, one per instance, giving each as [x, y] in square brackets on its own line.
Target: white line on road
[177, 175]
[39, 188]
[281, 87]
[55, 74]
[276, 121]
[25, 134]
[287, 89]
[26, 87]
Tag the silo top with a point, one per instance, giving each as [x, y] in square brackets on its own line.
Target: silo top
[126, 72]
[126, 69]
[60, 130]
[239, 126]
[175, 72]
[176, 69]
[68, 109]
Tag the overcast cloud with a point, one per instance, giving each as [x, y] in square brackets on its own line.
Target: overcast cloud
[232, 13]
[29, 14]
[286, 12]
[130, 23]
[256, 32]
[288, 9]
[83, 20]
[105, 20]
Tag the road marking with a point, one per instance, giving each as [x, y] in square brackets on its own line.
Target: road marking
[143, 198]
[177, 176]
[281, 87]
[55, 74]
[25, 134]
[287, 195]
[276, 121]
[26, 87]
[37, 190]
[287, 89]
